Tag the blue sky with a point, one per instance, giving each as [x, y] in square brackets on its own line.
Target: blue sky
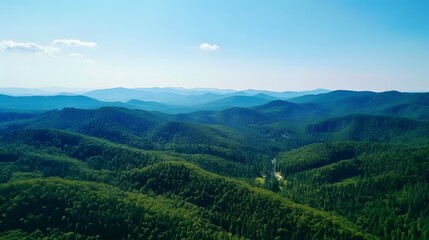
[276, 45]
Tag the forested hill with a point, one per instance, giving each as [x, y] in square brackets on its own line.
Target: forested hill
[381, 187]
[44, 103]
[305, 168]
[120, 192]
[272, 106]
[392, 103]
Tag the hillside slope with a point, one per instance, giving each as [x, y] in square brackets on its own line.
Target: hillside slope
[382, 188]
[59, 184]
[410, 105]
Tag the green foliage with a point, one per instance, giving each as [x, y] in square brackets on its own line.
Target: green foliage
[94, 211]
[392, 103]
[116, 173]
[239, 208]
[196, 204]
[381, 187]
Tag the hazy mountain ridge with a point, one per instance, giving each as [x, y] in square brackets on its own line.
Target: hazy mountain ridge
[170, 100]
[210, 167]
[336, 103]
[184, 156]
[393, 103]
[44, 103]
[180, 96]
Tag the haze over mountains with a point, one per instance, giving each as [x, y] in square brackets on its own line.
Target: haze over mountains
[214, 164]
[111, 158]
[273, 105]
[154, 99]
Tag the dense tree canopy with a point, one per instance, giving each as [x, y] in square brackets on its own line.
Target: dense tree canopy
[114, 173]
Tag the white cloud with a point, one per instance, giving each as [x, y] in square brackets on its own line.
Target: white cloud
[74, 43]
[209, 47]
[28, 47]
[51, 50]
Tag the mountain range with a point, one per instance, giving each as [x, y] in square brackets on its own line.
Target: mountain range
[334, 103]
[215, 164]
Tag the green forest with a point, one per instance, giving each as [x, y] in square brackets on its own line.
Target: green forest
[275, 171]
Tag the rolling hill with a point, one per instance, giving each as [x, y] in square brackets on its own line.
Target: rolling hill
[336, 103]
[62, 184]
[381, 187]
[411, 105]
[44, 103]
[127, 94]
[237, 101]
[341, 165]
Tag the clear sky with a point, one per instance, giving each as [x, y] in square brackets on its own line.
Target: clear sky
[276, 45]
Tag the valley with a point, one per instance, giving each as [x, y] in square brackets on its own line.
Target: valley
[335, 165]
[214, 119]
